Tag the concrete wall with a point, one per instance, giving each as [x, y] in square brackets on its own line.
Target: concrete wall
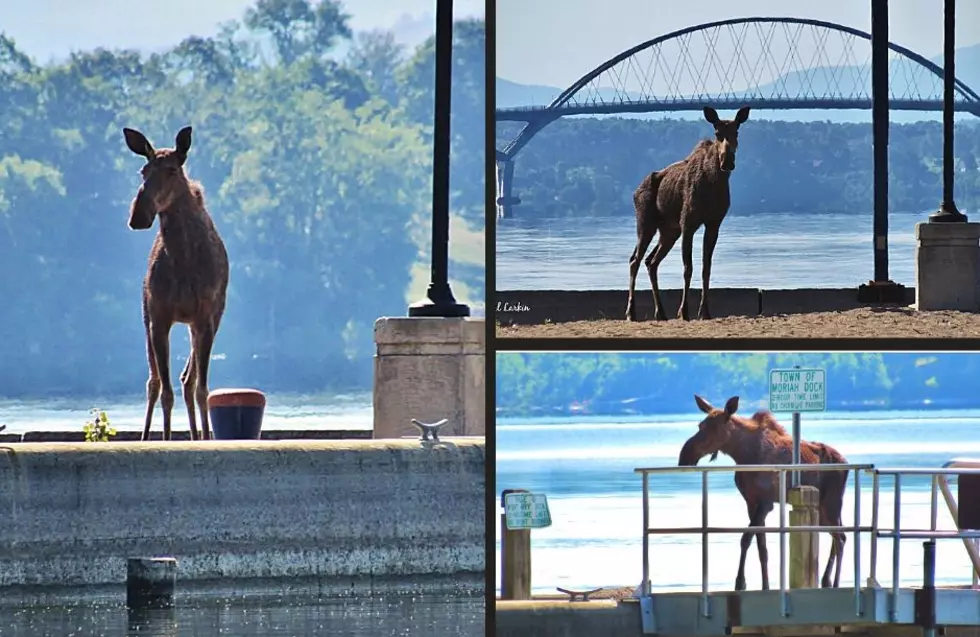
[70, 513]
[77, 435]
[533, 307]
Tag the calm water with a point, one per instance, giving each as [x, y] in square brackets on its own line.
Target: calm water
[394, 616]
[585, 467]
[792, 250]
[283, 411]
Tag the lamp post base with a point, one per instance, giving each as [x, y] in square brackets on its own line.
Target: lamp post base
[439, 302]
[947, 213]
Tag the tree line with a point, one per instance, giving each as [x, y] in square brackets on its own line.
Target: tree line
[316, 167]
[589, 166]
[557, 384]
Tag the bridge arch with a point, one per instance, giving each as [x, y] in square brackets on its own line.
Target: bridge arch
[537, 118]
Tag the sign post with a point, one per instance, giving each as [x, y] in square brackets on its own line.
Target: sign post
[523, 511]
[797, 390]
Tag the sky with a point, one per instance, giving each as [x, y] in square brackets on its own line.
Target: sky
[51, 29]
[539, 44]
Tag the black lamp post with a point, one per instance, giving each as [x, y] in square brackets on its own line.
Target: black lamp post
[947, 209]
[439, 300]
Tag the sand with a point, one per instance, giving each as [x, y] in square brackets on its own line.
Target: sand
[878, 322]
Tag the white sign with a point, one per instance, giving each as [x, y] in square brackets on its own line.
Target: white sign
[797, 390]
[526, 511]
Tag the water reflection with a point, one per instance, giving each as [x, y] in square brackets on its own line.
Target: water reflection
[420, 615]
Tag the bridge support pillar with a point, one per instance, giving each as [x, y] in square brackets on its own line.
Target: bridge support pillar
[947, 266]
[505, 189]
[804, 566]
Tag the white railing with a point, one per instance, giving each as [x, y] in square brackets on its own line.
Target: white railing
[939, 483]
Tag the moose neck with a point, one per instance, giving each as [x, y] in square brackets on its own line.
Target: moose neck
[744, 446]
[183, 226]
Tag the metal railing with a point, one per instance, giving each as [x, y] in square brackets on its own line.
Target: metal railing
[939, 484]
[940, 481]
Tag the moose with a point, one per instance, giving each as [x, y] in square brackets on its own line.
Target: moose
[186, 279]
[762, 440]
[676, 202]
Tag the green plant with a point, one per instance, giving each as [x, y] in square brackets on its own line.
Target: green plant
[98, 429]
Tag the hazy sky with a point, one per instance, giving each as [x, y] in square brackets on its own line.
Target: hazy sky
[46, 28]
[540, 43]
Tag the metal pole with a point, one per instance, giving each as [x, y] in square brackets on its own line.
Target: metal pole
[896, 542]
[783, 600]
[645, 586]
[858, 610]
[926, 611]
[795, 478]
[874, 526]
[879, 122]
[947, 209]
[705, 607]
[439, 300]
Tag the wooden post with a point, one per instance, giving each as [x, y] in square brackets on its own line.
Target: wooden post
[804, 566]
[515, 562]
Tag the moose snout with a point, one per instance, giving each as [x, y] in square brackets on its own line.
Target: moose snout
[728, 163]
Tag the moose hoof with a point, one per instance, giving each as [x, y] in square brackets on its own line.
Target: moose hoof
[740, 585]
[704, 316]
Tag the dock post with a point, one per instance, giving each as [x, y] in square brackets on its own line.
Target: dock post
[515, 558]
[804, 547]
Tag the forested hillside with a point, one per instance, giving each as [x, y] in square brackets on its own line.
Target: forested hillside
[316, 168]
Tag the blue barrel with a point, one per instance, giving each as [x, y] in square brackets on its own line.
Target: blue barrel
[236, 414]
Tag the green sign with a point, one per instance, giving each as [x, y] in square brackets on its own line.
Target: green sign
[797, 390]
[526, 511]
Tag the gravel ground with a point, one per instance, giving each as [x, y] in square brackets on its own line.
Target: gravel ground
[877, 322]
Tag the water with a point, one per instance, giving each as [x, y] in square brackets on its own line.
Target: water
[463, 616]
[283, 411]
[770, 251]
[585, 467]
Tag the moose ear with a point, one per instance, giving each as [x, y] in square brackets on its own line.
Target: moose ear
[138, 143]
[742, 115]
[703, 404]
[731, 406]
[711, 115]
[183, 142]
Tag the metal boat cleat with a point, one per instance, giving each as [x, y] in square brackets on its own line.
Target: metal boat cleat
[429, 428]
[583, 594]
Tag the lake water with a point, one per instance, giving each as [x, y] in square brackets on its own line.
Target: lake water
[463, 616]
[772, 250]
[283, 411]
[585, 467]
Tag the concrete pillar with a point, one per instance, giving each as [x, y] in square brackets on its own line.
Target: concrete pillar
[947, 266]
[804, 566]
[505, 189]
[429, 369]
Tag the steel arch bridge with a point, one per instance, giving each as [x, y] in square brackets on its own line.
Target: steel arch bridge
[667, 74]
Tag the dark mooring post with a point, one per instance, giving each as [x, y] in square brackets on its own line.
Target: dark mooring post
[947, 209]
[439, 300]
[881, 289]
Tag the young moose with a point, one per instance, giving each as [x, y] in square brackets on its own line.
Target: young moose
[762, 440]
[678, 200]
[186, 280]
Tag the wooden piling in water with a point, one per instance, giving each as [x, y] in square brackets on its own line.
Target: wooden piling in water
[150, 582]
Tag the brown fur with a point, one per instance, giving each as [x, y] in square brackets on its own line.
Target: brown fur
[678, 200]
[186, 279]
[762, 440]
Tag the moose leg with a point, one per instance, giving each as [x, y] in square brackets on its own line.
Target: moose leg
[152, 386]
[760, 542]
[710, 239]
[188, 381]
[160, 335]
[204, 332]
[642, 243]
[687, 253]
[757, 516]
[836, 549]
[668, 237]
